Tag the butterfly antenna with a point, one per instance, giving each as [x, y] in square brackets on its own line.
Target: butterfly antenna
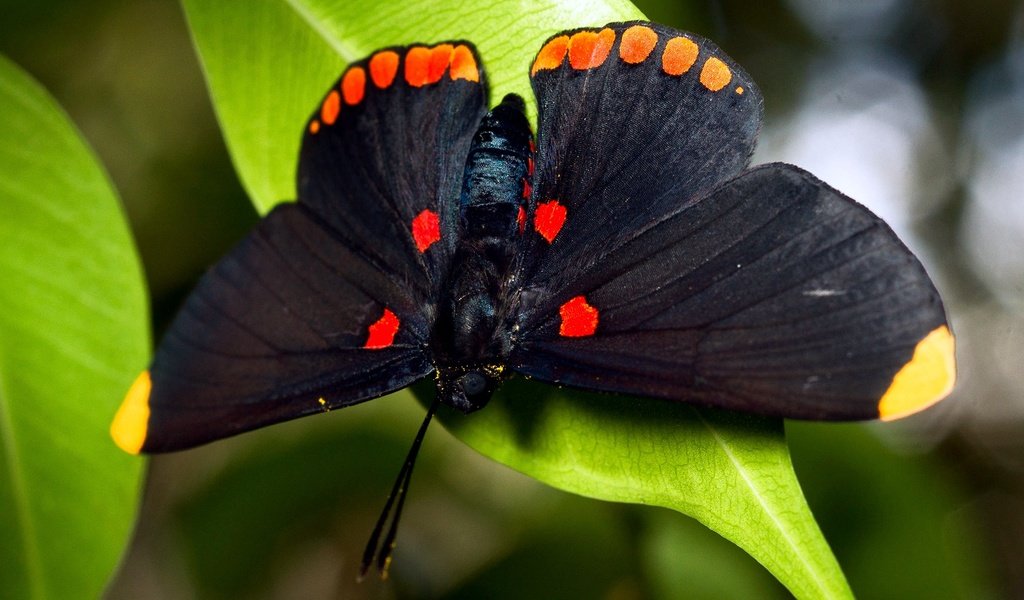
[388, 547]
[383, 552]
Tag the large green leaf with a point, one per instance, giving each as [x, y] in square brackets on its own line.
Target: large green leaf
[73, 332]
[731, 472]
[268, 63]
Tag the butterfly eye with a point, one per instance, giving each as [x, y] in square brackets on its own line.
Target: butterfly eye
[473, 383]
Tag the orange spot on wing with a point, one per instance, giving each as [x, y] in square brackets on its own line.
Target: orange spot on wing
[529, 165]
[464, 65]
[417, 66]
[715, 75]
[426, 229]
[521, 219]
[740, 90]
[637, 43]
[579, 319]
[679, 55]
[132, 419]
[440, 57]
[382, 332]
[588, 49]
[353, 85]
[383, 68]
[314, 126]
[329, 109]
[551, 55]
[927, 378]
[549, 218]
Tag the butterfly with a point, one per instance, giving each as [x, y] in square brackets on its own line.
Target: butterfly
[630, 249]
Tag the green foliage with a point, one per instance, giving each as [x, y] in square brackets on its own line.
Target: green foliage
[267, 64]
[731, 472]
[901, 526]
[73, 333]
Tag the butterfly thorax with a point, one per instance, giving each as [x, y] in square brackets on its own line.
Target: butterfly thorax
[471, 339]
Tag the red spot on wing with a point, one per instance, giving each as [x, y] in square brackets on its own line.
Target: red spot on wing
[529, 165]
[521, 218]
[464, 65]
[417, 66]
[426, 229]
[383, 68]
[353, 85]
[382, 332]
[549, 218]
[440, 58]
[527, 189]
[579, 319]
[329, 109]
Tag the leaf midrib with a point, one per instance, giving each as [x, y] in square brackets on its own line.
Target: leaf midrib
[755, 490]
[304, 13]
[19, 491]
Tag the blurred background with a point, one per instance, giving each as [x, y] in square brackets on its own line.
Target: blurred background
[914, 108]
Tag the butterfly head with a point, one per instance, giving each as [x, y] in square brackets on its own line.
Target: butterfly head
[468, 389]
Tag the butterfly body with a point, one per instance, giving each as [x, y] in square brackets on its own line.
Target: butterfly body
[472, 338]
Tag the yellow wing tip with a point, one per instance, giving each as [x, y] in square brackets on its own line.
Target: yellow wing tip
[926, 379]
[132, 419]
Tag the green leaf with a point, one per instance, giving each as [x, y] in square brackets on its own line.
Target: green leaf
[731, 472]
[268, 63]
[73, 333]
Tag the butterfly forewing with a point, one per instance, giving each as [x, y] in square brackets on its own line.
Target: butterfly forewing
[634, 118]
[382, 159]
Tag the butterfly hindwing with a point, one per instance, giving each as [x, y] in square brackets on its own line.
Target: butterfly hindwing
[290, 323]
[774, 294]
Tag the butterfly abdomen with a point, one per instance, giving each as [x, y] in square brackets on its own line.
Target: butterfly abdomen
[496, 173]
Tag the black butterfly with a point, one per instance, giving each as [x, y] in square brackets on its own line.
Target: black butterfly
[639, 256]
